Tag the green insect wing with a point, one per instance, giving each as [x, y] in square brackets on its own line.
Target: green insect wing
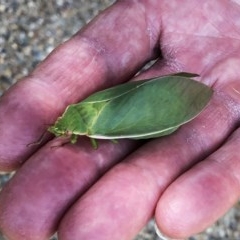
[136, 110]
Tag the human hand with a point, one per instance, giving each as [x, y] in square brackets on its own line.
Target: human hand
[189, 179]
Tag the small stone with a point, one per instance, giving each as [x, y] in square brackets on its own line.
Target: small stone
[2, 8]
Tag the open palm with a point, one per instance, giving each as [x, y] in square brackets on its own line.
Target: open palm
[186, 180]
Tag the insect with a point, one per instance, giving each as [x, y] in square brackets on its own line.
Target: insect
[135, 110]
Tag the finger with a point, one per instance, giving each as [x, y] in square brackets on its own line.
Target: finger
[33, 202]
[203, 194]
[179, 224]
[95, 58]
[124, 199]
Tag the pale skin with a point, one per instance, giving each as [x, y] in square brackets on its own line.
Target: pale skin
[186, 180]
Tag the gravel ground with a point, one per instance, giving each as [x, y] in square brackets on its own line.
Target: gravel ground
[29, 31]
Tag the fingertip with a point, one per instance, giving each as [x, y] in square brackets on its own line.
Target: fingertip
[169, 219]
[182, 211]
[194, 202]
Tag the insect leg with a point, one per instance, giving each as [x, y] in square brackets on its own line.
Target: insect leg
[94, 143]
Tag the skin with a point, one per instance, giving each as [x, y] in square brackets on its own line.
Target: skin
[186, 180]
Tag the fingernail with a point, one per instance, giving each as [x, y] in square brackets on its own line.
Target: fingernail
[161, 235]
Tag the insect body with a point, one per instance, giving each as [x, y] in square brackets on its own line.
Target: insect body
[136, 110]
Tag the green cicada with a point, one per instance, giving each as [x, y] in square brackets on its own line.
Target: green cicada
[135, 110]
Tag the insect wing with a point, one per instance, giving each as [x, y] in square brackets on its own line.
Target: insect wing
[152, 108]
[114, 92]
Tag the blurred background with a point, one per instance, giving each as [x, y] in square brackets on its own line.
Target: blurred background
[29, 31]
